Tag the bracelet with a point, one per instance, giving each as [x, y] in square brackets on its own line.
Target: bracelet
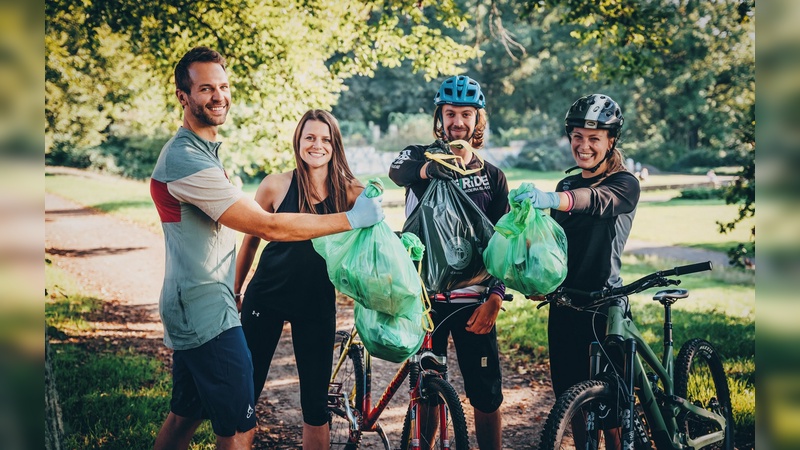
[571, 200]
[237, 295]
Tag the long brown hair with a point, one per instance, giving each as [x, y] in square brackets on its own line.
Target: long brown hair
[477, 136]
[616, 160]
[339, 174]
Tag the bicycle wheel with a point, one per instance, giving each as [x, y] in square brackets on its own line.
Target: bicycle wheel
[437, 392]
[581, 414]
[700, 379]
[346, 393]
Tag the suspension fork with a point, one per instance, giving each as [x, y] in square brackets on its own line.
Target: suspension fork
[628, 413]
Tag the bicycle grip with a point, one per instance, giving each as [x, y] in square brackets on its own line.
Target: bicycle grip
[579, 293]
[692, 268]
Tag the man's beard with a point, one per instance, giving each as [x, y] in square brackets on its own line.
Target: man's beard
[465, 131]
[204, 116]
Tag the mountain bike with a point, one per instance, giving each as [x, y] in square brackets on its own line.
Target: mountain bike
[434, 419]
[681, 404]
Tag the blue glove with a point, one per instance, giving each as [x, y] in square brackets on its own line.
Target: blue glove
[540, 199]
[366, 211]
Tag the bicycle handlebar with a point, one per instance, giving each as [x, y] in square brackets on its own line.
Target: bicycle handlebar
[692, 268]
[654, 279]
[478, 295]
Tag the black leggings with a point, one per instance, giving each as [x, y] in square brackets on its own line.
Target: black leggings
[570, 333]
[312, 339]
[478, 357]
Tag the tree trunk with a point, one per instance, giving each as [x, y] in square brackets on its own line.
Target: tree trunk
[53, 425]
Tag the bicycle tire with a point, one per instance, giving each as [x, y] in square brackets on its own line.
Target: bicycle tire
[593, 400]
[699, 363]
[439, 390]
[343, 436]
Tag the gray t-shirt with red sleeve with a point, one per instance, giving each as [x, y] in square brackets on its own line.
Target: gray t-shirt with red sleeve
[191, 191]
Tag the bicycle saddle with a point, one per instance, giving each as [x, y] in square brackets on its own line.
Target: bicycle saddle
[670, 294]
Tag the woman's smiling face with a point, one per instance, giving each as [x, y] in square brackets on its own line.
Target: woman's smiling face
[589, 146]
[316, 147]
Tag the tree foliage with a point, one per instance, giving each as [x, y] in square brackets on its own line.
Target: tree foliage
[690, 66]
[683, 72]
[284, 57]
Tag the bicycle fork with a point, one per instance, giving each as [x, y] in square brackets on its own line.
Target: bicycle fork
[420, 411]
[627, 420]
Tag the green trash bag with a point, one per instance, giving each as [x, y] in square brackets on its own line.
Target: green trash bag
[388, 337]
[372, 266]
[392, 338]
[455, 233]
[529, 251]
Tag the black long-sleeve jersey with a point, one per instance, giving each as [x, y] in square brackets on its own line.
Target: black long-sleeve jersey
[487, 188]
[597, 227]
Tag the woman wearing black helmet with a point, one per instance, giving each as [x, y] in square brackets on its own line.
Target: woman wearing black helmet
[460, 115]
[596, 209]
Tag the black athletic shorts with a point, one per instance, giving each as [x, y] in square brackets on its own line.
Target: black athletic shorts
[215, 381]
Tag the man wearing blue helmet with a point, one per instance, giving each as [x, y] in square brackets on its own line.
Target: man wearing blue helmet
[460, 116]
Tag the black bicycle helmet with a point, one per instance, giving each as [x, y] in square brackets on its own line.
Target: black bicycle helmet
[460, 90]
[595, 111]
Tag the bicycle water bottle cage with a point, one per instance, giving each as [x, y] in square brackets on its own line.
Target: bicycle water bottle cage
[670, 295]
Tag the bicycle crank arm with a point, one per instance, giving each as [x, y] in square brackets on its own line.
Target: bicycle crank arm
[350, 416]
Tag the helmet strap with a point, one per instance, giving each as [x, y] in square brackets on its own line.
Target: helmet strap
[605, 158]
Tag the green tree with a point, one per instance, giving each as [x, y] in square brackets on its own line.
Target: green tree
[690, 67]
[283, 57]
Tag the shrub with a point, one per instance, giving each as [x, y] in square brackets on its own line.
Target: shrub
[543, 154]
[702, 193]
[129, 156]
[706, 157]
[405, 130]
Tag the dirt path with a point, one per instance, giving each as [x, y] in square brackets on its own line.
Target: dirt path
[123, 264]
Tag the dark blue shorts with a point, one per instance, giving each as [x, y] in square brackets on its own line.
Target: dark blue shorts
[215, 381]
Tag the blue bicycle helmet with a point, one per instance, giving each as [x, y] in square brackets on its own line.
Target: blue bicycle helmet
[595, 111]
[460, 90]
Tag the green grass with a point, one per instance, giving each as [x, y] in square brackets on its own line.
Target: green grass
[125, 199]
[111, 398]
[690, 223]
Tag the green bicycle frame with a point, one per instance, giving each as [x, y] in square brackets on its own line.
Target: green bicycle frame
[661, 421]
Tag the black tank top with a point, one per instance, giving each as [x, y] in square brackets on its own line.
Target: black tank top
[291, 276]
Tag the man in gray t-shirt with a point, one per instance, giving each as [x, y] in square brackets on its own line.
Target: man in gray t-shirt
[199, 210]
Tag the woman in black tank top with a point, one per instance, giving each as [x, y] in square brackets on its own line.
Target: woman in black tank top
[291, 282]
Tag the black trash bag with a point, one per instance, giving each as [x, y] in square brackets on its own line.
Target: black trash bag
[455, 234]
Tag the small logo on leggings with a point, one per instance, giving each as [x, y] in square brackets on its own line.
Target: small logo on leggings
[249, 411]
[484, 361]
